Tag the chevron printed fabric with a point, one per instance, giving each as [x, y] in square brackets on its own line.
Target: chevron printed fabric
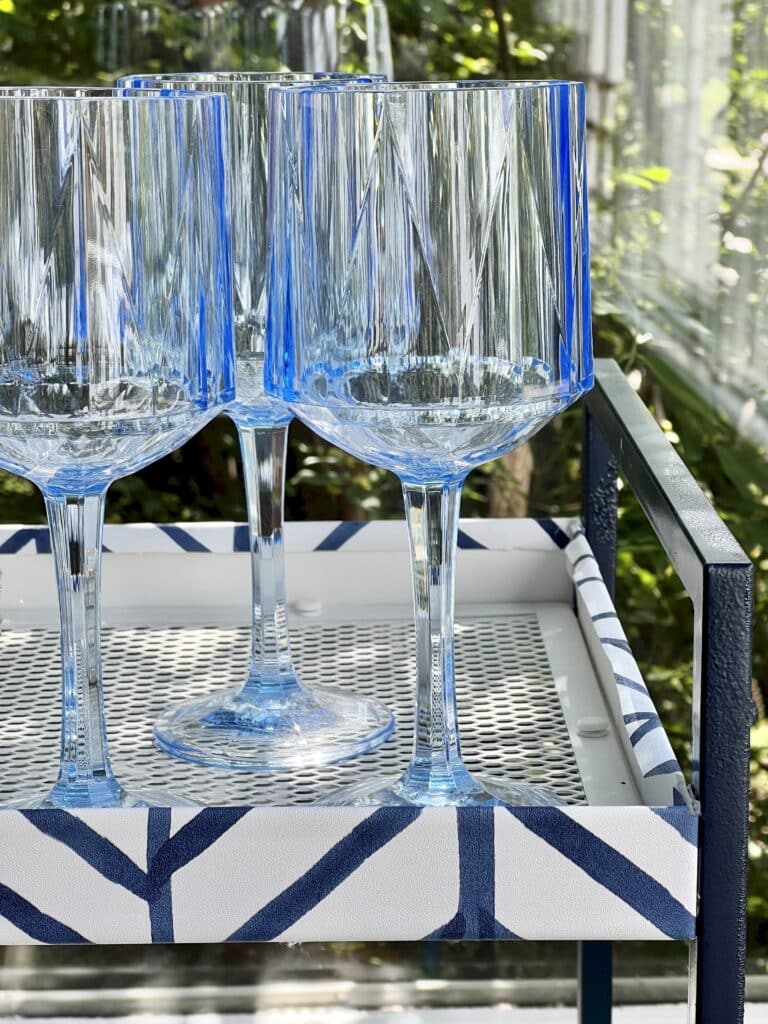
[210, 875]
[346, 873]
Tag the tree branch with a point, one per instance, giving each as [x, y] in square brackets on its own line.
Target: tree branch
[505, 57]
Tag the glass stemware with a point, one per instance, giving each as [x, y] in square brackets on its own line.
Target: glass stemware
[112, 352]
[274, 720]
[428, 311]
[263, 36]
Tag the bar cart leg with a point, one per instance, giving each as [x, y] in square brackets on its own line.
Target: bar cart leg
[595, 982]
[721, 778]
[599, 502]
[718, 577]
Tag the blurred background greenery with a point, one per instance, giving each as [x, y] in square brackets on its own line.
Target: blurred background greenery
[678, 118]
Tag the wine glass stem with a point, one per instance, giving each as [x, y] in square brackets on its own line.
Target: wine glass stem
[432, 513]
[264, 450]
[77, 524]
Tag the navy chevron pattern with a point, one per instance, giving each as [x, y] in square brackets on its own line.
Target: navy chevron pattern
[32, 922]
[328, 873]
[192, 839]
[97, 851]
[160, 900]
[475, 917]
[220, 538]
[442, 873]
[634, 876]
[611, 869]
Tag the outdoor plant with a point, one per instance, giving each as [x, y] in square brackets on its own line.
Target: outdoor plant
[55, 41]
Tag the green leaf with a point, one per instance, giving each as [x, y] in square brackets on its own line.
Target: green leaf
[741, 467]
[656, 173]
[634, 180]
[681, 389]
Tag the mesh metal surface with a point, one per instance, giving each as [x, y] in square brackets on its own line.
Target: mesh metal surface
[511, 720]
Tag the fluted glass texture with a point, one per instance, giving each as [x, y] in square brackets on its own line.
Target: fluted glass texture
[115, 345]
[274, 720]
[247, 94]
[429, 303]
[116, 341]
[429, 310]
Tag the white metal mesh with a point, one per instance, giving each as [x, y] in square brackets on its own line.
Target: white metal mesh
[511, 720]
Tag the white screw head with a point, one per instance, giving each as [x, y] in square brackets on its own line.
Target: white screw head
[592, 726]
[308, 606]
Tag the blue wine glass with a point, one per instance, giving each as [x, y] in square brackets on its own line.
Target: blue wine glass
[113, 352]
[273, 721]
[429, 311]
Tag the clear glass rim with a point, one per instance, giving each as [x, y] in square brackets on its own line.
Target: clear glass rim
[355, 86]
[255, 77]
[91, 94]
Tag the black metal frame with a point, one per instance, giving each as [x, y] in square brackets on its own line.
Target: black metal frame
[621, 436]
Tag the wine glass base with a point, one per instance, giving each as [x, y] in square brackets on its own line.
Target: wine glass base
[465, 791]
[102, 793]
[300, 728]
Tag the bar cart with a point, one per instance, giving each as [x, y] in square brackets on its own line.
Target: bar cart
[636, 852]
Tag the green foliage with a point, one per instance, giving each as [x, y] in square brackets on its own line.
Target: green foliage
[471, 39]
[89, 42]
[58, 41]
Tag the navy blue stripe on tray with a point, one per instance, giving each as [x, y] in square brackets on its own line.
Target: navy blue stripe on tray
[19, 538]
[160, 902]
[665, 768]
[610, 869]
[650, 721]
[466, 543]
[194, 837]
[557, 533]
[33, 922]
[682, 821]
[323, 877]
[102, 855]
[475, 917]
[631, 684]
[241, 540]
[339, 536]
[181, 537]
[615, 642]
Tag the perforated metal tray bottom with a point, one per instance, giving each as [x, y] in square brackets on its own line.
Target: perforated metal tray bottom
[511, 720]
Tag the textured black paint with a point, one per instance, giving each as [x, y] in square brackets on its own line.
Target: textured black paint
[599, 499]
[718, 576]
[595, 974]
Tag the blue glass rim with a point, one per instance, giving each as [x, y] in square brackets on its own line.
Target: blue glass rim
[287, 78]
[86, 94]
[358, 84]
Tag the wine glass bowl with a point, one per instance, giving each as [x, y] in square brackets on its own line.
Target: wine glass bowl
[428, 311]
[112, 352]
[433, 240]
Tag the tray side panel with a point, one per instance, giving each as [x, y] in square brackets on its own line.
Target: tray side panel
[347, 874]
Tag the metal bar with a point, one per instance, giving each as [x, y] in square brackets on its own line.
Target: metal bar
[718, 576]
[595, 979]
[724, 635]
[690, 530]
[600, 499]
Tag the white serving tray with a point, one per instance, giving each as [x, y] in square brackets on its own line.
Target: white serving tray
[540, 655]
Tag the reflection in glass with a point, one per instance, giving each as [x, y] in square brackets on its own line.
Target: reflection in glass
[112, 351]
[303, 35]
[428, 311]
[273, 720]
